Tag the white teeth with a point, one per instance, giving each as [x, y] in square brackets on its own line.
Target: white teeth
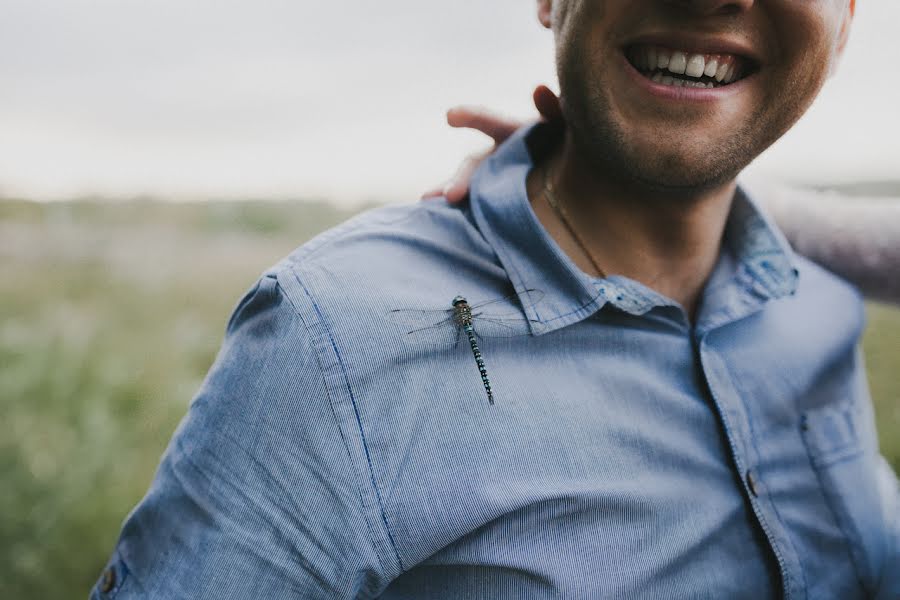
[721, 72]
[696, 65]
[678, 62]
[657, 63]
[662, 59]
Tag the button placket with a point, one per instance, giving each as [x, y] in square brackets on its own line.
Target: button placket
[734, 419]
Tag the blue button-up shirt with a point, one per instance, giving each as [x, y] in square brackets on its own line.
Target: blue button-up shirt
[628, 452]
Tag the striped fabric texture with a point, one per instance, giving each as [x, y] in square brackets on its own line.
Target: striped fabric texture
[343, 445]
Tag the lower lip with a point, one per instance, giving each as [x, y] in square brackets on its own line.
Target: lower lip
[684, 94]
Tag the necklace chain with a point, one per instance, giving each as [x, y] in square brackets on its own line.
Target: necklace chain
[564, 217]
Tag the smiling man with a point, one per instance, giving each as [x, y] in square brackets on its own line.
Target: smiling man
[644, 392]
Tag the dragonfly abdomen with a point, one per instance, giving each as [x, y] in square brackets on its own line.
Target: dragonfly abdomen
[479, 360]
[463, 316]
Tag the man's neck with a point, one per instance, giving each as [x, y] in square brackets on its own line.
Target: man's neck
[670, 242]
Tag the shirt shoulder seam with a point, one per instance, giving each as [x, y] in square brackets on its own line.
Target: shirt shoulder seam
[345, 410]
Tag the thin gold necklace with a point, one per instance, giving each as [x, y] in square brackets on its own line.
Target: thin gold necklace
[564, 217]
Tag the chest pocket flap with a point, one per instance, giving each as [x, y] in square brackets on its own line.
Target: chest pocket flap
[841, 443]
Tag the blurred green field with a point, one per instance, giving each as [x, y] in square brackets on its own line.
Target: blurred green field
[110, 315]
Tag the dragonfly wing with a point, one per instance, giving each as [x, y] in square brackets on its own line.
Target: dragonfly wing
[501, 328]
[419, 318]
[437, 326]
[500, 317]
[511, 305]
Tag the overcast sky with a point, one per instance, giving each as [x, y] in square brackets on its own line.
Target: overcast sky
[294, 98]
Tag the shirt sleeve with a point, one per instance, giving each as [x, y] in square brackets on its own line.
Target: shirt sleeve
[890, 493]
[856, 238]
[256, 496]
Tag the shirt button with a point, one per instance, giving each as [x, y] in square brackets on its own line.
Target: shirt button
[108, 582]
[752, 483]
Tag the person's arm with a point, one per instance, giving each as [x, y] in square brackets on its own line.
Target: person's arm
[889, 586]
[858, 239]
[256, 495]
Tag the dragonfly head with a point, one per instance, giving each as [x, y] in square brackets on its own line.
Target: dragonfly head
[459, 300]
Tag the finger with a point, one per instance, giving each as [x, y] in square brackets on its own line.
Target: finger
[492, 124]
[458, 186]
[433, 193]
[547, 103]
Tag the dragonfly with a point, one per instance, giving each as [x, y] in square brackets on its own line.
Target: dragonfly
[465, 317]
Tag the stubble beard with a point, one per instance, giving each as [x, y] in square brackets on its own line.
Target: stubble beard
[678, 168]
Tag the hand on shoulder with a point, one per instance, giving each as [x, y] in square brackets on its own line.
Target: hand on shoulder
[497, 127]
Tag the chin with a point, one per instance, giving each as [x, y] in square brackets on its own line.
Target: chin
[685, 185]
[674, 168]
[685, 173]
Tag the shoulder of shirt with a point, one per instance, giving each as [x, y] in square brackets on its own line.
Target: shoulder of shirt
[816, 278]
[829, 295]
[388, 244]
[370, 230]
[816, 285]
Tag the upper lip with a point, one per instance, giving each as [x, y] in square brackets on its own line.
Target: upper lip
[700, 43]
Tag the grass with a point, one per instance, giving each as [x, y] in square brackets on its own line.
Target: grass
[111, 315]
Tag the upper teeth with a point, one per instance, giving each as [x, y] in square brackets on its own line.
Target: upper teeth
[724, 68]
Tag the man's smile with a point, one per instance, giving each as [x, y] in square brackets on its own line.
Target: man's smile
[689, 67]
[685, 68]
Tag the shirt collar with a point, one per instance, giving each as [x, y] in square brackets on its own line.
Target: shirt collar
[767, 261]
[553, 290]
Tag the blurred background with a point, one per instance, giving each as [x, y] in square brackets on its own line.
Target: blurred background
[155, 157]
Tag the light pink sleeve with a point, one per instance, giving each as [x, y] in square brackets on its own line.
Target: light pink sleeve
[855, 238]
